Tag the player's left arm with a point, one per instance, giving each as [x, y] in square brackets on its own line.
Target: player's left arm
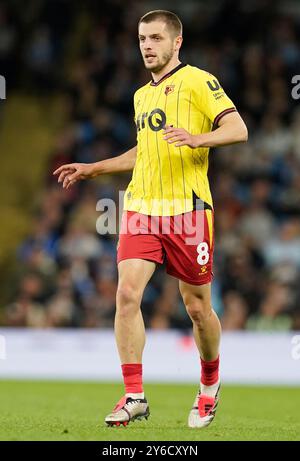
[211, 100]
[231, 129]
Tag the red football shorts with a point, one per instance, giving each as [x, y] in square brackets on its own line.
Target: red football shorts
[185, 242]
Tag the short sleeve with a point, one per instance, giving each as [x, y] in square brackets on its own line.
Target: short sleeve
[210, 97]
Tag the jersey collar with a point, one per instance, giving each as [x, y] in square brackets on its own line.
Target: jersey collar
[153, 83]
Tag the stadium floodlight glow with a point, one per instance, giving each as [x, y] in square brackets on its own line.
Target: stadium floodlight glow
[2, 87]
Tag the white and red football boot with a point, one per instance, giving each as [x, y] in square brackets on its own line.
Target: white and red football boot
[203, 410]
[126, 410]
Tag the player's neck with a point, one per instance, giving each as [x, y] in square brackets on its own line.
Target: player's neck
[165, 70]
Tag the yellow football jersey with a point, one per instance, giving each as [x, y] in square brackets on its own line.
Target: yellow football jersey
[166, 179]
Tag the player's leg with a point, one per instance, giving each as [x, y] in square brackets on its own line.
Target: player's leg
[134, 275]
[138, 252]
[207, 334]
[206, 325]
[189, 254]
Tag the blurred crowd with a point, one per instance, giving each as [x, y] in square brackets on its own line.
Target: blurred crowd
[66, 270]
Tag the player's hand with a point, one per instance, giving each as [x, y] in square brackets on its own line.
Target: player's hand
[72, 172]
[180, 136]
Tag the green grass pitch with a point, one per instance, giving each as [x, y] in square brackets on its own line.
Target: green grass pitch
[35, 410]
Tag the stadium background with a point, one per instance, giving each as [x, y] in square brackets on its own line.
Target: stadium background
[71, 73]
[71, 69]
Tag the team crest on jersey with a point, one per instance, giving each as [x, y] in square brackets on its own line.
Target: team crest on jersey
[169, 89]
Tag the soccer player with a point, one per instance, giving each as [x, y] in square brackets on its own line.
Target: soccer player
[179, 115]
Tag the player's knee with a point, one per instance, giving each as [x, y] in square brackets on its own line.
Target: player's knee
[128, 298]
[199, 309]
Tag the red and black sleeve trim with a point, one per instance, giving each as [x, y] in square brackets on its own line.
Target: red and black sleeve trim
[224, 112]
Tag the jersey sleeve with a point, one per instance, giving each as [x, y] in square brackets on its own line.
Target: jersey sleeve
[211, 99]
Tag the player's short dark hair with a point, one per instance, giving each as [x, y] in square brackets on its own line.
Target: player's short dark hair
[171, 19]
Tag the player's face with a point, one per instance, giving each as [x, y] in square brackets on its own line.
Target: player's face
[157, 45]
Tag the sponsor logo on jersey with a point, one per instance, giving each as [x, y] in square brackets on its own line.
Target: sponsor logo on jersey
[156, 120]
[214, 85]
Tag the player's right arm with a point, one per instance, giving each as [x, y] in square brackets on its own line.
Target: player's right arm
[72, 172]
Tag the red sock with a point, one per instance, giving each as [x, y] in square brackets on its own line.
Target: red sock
[133, 377]
[209, 372]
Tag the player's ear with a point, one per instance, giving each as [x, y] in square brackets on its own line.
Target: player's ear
[178, 42]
